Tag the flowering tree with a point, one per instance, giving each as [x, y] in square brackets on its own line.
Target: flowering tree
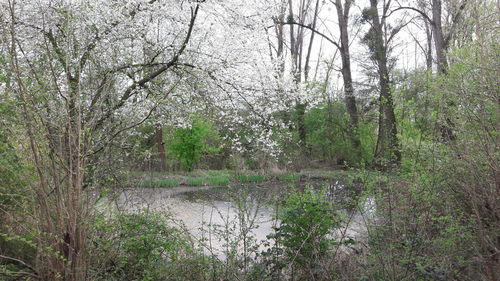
[74, 68]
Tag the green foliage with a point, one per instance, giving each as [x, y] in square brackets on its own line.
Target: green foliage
[217, 180]
[16, 237]
[189, 144]
[12, 171]
[210, 180]
[195, 181]
[142, 247]
[419, 239]
[469, 166]
[327, 135]
[307, 222]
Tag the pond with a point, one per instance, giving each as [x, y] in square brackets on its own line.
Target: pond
[216, 215]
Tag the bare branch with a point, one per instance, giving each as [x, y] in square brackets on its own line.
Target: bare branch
[18, 261]
[412, 9]
[310, 28]
[397, 29]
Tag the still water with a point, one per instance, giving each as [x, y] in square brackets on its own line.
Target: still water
[217, 215]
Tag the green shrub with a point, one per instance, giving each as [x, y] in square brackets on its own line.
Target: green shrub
[415, 234]
[190, 143]
[16, 235]
[142, 247]
[327, 126]
[307, 222]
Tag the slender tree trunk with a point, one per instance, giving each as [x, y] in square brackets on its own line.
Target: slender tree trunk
[309, 48]
[428, 55]
[60, 156]
[296, 40]
[293, 51]
[350, 100]
[161, 147]
[281, 39]
[387, 151]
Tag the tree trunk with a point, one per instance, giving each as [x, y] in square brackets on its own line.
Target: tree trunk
[387, 151]
[428, 55]
[281, 39]
[60, 157]
[296, 40]
[350, 100]
[439, 41]
[161, 147]
[309, 48]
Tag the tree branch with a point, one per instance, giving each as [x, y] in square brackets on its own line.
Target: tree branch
[18, 261]
[397, 29]
[139, 84]
[310, 28]
[412, 9]
[454, 23]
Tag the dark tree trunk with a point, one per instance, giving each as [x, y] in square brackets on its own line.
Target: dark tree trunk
[439, 39]
[387, 151]
[161, 147]
[350, 100]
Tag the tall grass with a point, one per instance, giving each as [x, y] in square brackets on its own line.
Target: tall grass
[160, 183]
[212, 181]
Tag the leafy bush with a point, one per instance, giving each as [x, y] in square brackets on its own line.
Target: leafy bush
[16, 209]
[327, 128]
[142, 247]
[190, 143]
[13, 174]
[470, 165]
[415, 237]
[307, 222]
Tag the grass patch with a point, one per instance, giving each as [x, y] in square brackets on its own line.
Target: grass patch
[224, 177]
[160, 183]
[250, 178]
[195, 181]
[218, 180]
[212, 181]
[289, 177]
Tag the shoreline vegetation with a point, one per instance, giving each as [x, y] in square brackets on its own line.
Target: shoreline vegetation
[228, 177]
